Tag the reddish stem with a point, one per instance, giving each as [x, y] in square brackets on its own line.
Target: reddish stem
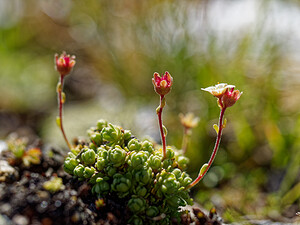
[60, 102]
[214, 153]
[162, 134]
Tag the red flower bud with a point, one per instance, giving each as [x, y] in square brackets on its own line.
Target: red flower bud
[162, 85]
[64, 63]
[230, 97]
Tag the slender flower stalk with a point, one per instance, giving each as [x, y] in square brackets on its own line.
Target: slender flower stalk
[60, 94]
[188, 122]
[160, 123]
[214, 153]
[185, 139]
[162, 86]
[63, 64]
[227, 97]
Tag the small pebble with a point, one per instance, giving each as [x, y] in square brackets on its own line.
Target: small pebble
[47, 221]
[57, 203]
[20, 220]
[44, 204]
[75, 217]
[43, 194]
[73, 192]
[3, 146]
[5, 208]
[6, 171]
[34, 175]
[49, 172]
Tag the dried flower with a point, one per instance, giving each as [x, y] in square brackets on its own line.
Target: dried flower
[32, 156]
[230, 97]
[99, 203]
[218, 90]
[64, 63]
[189, 120]
[162, 85]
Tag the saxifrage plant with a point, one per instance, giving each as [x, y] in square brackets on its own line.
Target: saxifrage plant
[149, 178]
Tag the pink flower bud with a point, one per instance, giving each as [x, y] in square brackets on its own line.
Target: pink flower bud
[64, 63]
[230, 97]
[162, 85]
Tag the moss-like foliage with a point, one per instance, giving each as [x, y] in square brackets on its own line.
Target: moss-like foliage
[116, 163]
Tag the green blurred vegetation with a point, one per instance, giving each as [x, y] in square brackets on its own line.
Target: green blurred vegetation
[120, 44]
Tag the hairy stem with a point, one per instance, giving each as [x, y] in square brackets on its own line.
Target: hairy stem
[60, 103]
[162, 133]
[214, 153]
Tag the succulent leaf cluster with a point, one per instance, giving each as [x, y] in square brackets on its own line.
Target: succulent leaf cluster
[117, 164]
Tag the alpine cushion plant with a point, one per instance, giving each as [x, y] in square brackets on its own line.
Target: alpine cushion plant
[119, 166]
[149, 180]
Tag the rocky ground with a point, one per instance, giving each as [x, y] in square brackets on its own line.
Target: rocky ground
[25, 199]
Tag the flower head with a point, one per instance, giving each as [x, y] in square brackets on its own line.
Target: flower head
[225, 93]
[189, 120]
[230, 97]
[218, 90]
[64, 63]
[162, 85]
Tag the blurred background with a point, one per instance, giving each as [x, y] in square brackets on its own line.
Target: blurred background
[120, 44]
